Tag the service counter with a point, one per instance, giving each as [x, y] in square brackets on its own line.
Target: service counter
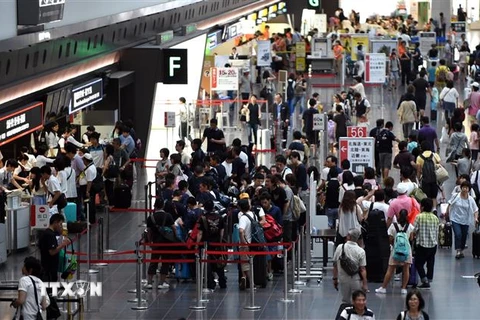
[18, 228]
[321, 64]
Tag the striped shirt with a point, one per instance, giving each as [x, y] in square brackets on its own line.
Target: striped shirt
[426, 230]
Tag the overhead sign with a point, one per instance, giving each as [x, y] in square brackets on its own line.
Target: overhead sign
[41, 217]
[375, 68]
[170, 119]
[224, 79]
[459, 26]
[357, 132]
[426, 40]
[359, 151]
[86, 94]
[175, 63]
[20, 122]
[35, 12]
[264, 53]
[318, 121]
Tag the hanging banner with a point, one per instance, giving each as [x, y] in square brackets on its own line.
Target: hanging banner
[300, 64]
[300, 50]
[18, 123]
[375, 68]
[264, 53]
[224, 79]
[414, 10]
[360, 152]
[356, 41]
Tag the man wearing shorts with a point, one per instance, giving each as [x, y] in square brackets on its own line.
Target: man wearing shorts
[385, 148]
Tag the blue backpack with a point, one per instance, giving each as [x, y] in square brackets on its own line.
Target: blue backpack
[401, 246]
[258, 236]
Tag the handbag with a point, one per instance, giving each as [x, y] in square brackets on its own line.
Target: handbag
[418, 194]
[453, 153]
[70, 264]
[38, 316]
[61, 202]
[113, 170]
[441, 173]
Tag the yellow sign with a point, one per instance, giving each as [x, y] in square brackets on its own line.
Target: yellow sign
[300, 64]
[356, 41]
[300, 50]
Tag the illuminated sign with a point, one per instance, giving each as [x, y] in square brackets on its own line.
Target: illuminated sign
[175, 66]
[20, 122]
[86, 94]
[165, 36]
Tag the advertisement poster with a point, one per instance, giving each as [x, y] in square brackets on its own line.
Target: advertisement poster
[423, 12]
[264, 53]
[356, 41]
[300, 50]
[346, 40]
[360, 152]
[383, 46]
[376, 68]
[224, 79]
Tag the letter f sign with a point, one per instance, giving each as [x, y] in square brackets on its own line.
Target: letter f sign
[173, 65]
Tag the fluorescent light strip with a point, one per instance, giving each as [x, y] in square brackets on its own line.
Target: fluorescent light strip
[44, 82]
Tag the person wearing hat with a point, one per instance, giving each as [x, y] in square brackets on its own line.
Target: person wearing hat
[474, 100]
[403, 201]
[87, 188]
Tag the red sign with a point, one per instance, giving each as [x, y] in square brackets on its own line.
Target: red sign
[42, 209]
[356, 132]
[343, 150]
[214, 78]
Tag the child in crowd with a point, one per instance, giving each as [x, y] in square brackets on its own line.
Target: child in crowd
[433, 104]
[412, 142]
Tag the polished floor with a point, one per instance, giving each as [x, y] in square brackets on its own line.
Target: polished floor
[451, 297]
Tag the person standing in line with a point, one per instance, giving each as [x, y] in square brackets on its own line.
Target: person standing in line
[462, 210]
[254, 120]
[349, 284]
[245, 230]
[300, 93]
[385, 148]
[215, 139]
[426, 239]
[50, 248]
[332, 188]
[88, 188]
[52, 139]
[374, 133]
[415, 305]
[32, 298]
[57, 198]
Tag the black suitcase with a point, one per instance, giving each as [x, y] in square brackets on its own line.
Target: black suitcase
[445, 235]
[122, 197]
[476, 244]
[260, 271]
[277, 264]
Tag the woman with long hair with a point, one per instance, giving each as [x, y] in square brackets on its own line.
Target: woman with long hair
[401, 225]
[37, 187]
[350, 215]
[52, 139]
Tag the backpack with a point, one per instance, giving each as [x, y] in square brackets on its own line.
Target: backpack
[258, 236]
[382, 137]
[347, 264]
[272, 230]
[298, 207]
[442, 75]
[211, 223]
[401, 246]
[428, 169]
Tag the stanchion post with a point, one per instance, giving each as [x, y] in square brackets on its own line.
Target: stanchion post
[198, 306]
[141, 303]
[144, 265]
[285, 278]
[107, 237]
[89, 244]
[100, 244]
[298, 251]
[205, 271]
[252, 306]
[79, 237]
[137, 250]
[294, 253]
[144, 222]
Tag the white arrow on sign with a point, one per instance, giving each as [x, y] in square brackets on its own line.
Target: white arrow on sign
[343, 149]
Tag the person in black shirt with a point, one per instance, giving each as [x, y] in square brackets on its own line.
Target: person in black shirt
[332, 189]
[340, 120]
[312, 135]
[385, 148]
[279, 196]
[198, 156]
[204, 193]
[210, 229]
[254, 121]
[374, 134]
[421, 88]
[238, 166]
[174, 206]
[194, 180]
[300, 171]
[214, 136]
[159, 219]
[49, 248]
[281, 112]
[216, 165]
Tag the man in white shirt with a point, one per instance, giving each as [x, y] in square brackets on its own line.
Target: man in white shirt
[87, 184]
[53, 187]
[377, 198]
[245, 230]
[180, 148]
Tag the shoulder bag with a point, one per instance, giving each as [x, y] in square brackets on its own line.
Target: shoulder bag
[347, 264]
[39, 313]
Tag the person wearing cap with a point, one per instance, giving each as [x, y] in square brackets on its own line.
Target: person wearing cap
[474, 100]
[356, 254]
[403, 201]
[86, 178]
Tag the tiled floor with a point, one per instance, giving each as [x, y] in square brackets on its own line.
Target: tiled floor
[451, 296]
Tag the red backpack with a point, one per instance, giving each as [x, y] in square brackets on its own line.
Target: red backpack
[192, 236]
[271, 229]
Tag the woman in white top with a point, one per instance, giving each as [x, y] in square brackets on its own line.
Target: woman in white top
[449, 97]
[401, 226]
[21, 173]
[32, 298]
[59, 165]
[347, 184]
[52, 140]
[37, 187]
[71, 193]
[42, 159]
[350, 215]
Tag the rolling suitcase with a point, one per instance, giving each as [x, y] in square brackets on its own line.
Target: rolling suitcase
[412, 280]
[260, 271]
[182, 271]
[122, 197]
[445, 235]
[476, 243]
[377, 247]
[70, 212]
